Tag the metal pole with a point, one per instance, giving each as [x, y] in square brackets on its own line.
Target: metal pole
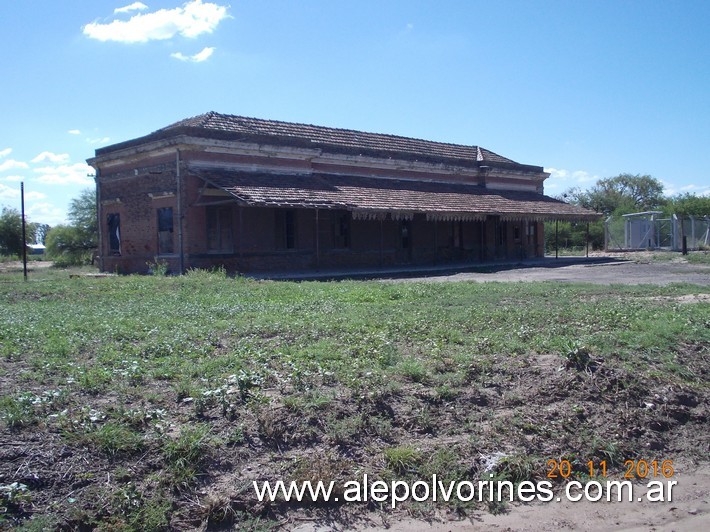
[24, 230]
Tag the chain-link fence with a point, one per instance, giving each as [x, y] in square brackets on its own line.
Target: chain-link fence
[614, 233]
[696, 231]
[647, 230]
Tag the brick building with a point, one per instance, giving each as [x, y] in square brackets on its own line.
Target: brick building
[260, 195]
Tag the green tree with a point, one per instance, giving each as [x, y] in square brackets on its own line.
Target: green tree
[82, 216]
[622, 194]
[11, 232]
[684, 205]
[66, 245]
[74, 243]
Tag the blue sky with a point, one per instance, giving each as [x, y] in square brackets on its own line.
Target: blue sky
[587, 89]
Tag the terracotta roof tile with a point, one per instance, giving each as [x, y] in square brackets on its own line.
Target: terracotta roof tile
[388, 195]
[335, 137]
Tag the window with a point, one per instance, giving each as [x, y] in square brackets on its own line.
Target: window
[286, 229]
[113, 221]
[219, 228]
[341, 230]
[516, 233]
[165, 230]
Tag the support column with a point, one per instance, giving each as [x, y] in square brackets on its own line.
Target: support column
[436, 242]
[317, 241]
[382, 243]
[241, 234]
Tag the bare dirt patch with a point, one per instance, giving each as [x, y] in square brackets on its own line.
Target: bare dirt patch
[687, 299]
[16, 265]
[689, 512]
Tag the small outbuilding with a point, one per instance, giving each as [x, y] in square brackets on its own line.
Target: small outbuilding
[256, 195]
[36, 249]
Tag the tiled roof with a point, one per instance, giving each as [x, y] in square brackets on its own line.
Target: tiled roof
[373, 195]
[335, 137]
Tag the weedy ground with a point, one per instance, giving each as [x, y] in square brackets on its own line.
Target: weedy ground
[152, 403]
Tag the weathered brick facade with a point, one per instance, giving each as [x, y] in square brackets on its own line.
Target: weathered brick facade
[256, 196]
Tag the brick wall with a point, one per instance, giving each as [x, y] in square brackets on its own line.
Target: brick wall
[253, 237]
[135, 196]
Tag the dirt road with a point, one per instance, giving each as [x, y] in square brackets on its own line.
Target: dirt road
[598, 271]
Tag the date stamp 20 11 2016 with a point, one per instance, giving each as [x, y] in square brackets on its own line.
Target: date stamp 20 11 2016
[633, 469]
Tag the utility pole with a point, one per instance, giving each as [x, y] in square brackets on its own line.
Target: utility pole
[24, 230]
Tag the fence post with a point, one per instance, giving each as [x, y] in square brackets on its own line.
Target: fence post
[692, 232]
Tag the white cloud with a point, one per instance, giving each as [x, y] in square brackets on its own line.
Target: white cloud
[51, 157]
[66, 174]
[74, 132]
[192, 19]
[5, 152]
[204, 55]
[7, 193]
[101, 140]
[691, 188]
[34, 195]
[47, 169]
[670, 189]
[578, 178]
[13, 193]
[556, 173]
[561, 180]
[45, 213]
[135, 6]
[36, 210]
[12, 164]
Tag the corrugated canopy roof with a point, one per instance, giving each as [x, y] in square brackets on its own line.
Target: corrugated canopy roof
[374, 197]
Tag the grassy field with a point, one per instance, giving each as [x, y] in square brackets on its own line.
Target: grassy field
[153, 402]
